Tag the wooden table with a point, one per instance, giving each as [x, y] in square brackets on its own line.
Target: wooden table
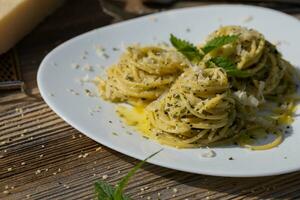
[42, 157]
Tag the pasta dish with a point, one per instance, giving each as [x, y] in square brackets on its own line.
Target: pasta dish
[233, 88]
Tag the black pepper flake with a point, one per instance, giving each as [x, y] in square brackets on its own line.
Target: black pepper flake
[146, 137]
[110, 122]
[231, 158]
[114, 133]
[129, 78]
[129, 133]
[106, 55]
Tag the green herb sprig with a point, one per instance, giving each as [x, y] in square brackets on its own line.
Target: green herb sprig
[218, 42]
[228, 66]
[105, 191]
[187, 49]
[192, 53]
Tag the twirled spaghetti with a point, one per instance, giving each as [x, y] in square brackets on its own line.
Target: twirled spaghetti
[142, 74]
[270, 77]
[198, 110]
[245, 51]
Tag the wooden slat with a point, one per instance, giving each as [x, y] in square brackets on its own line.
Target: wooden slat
[63, 147]
[42, 157]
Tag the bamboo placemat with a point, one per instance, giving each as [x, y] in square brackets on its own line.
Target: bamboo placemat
[42, 157]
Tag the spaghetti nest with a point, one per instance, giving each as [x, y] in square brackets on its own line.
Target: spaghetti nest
[268, 74]
[142, 74]
[197, 111]
[267, 79]
[245, 51]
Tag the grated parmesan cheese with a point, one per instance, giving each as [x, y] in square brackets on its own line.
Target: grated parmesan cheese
[209, 153]
[247, 19]
[245, 99]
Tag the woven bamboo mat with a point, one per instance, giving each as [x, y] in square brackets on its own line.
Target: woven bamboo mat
[42, 157]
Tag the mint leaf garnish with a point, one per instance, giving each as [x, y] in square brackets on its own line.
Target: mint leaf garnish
[218, 42]
[186, 48]
[228, 66]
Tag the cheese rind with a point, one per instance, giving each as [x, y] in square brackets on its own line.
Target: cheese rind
[19, 17]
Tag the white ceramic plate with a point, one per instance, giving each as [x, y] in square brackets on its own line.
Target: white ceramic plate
[58, 84]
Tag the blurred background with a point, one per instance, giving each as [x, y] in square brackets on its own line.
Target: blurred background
[122, 9]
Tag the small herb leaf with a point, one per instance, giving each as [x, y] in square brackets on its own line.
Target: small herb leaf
[124, 181]
[218, 42]
[104, 191]
[228, 66]
[186, 48]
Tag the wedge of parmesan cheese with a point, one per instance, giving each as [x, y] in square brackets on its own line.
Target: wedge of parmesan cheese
[19, 17]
